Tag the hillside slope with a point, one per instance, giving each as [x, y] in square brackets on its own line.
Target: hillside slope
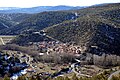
[39, 21]
[10, 20]
[97, 28]
[4, 23]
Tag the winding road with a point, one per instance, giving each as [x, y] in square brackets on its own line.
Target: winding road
[71, 68]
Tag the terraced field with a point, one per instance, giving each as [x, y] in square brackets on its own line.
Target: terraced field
[5, 39]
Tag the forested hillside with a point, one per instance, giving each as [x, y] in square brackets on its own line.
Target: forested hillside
[25, 39]
[4, 23]
[39, 21]
[97, 28]
[10, 20]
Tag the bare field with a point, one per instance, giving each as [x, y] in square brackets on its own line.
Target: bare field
[5, 39]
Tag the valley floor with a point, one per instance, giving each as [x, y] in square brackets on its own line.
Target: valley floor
[66, 70]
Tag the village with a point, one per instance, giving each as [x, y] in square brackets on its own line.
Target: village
[57, 47]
